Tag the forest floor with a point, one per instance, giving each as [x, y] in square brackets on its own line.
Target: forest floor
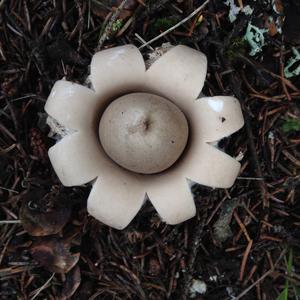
[244, 241]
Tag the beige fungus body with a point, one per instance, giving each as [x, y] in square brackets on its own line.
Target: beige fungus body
[89, 153]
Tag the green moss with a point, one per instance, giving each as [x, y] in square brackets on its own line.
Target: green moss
[164, 23]
[237, 46]
[117, 25]
[291, 125]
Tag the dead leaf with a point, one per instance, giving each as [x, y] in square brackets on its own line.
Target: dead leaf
[44, 213]
[73, 279]
[53, 254]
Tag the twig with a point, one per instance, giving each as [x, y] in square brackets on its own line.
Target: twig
[43, 287]
[215, 210]
[256, 163]
[2, 3]
[143, 41]
[195, 12]
[108, 27]
[261, 278]
[255, 160]
[244, 260]
[253, 270]
[80, 24]
[2, 187]
[4, 249]
[258, 67]
[242, 226]
[10, 222]
[251, 178]
[282, 81]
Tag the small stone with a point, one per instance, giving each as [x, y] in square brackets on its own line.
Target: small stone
[198, 287]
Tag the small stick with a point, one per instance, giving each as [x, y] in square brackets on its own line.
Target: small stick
[244, 260]
[270, 238]
[282, 77]
[254, 268]
[43, 287]
[143, 41]
[242, 226]
[27, 16]
[215, 210]
[270, 259]
[125, 27]
[249, 212]
[10, 222]
[242, 294]
[250, 178]
[256, 163]
[80, 24]
[4, 249]
[2, 187]
[108, 27]
[195, 12]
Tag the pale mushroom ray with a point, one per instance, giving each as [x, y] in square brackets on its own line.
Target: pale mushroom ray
[118, 192]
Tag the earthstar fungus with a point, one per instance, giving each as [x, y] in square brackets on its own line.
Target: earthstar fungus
[142, 133]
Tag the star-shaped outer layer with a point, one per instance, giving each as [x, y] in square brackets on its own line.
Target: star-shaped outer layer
[118, 194]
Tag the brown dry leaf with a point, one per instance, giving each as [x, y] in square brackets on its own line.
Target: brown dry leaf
[53, 254]
[73, 280]
[85, 290]
[43, 213]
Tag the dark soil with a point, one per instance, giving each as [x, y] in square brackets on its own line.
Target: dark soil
[244, 241]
